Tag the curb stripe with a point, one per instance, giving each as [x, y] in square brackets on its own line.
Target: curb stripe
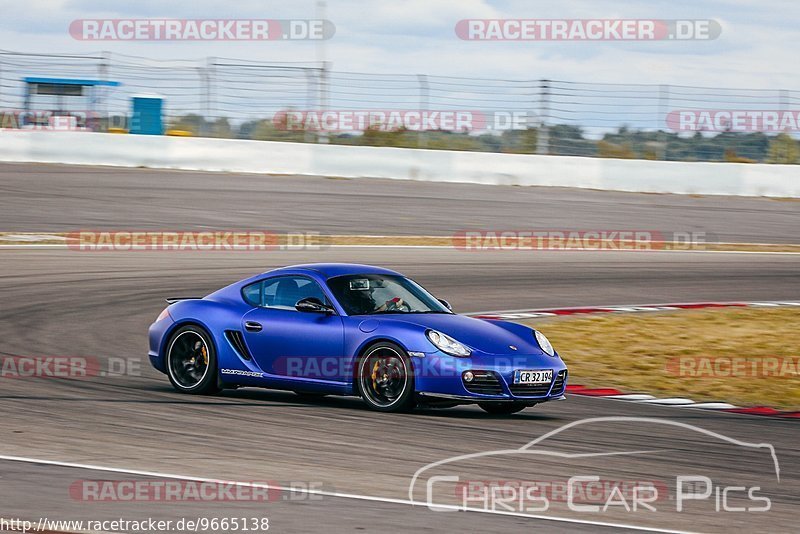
[601, 392]
[712, 405]
[670, 401]
[632, 397]
[678, 402]
[552, 312]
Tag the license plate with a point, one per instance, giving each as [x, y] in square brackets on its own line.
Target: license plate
[533, 377]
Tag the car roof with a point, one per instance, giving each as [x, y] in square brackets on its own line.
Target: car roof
[329, 270]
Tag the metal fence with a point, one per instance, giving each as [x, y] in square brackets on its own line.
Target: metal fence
[246, 90]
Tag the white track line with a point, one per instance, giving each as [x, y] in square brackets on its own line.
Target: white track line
[388, 500]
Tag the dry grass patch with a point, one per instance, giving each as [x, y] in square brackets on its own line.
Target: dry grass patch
[644, 353]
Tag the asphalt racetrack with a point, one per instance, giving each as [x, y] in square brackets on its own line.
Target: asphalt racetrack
[48, 198]
[99, 305]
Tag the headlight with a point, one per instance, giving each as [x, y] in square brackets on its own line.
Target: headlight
[447, 344]
[544, 343]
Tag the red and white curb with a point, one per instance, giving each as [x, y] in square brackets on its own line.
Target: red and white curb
[678, 402]
[511, 315]
[643, 398]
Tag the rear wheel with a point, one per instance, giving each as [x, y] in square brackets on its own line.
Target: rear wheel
[192, 361]
[386, 379]
[502, 408]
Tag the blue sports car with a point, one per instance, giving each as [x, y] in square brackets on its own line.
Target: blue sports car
[344, 329]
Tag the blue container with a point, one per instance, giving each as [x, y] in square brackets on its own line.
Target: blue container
[147, 115]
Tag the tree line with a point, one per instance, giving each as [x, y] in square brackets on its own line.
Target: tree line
[562, 140]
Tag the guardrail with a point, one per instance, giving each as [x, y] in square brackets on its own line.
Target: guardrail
[267, 157]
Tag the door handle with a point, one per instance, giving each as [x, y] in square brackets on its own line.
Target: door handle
[252, 326]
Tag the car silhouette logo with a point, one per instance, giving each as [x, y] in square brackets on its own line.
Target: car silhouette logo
[512, 347]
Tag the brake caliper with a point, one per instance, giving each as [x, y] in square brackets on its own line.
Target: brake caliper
[374, 375]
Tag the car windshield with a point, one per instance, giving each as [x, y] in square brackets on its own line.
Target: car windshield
[371, 294]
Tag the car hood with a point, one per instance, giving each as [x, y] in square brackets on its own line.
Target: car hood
[491, 337]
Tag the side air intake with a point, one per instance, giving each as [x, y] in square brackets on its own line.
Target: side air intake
[237, 340]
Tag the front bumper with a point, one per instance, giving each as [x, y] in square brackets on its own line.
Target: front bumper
[473, 399]
[441, 376]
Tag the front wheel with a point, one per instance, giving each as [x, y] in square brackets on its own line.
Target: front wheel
[502, 408]
[386, 379]
[192, 361]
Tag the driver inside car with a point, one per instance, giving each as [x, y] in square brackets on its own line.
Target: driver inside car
[391, 304]
[361, 298]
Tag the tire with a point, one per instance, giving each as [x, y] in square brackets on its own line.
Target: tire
[502, 408]
[385, 378]
[192, 361]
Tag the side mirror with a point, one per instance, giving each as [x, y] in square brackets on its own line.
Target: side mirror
[312, 305]
[445, 304]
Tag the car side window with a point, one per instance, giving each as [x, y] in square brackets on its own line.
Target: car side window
[252, 294]
[283, 292]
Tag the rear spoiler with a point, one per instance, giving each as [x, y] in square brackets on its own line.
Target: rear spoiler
[173, 300]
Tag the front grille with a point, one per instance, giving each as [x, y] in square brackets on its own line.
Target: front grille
[529, 390]
[484, 383]
[558, 384]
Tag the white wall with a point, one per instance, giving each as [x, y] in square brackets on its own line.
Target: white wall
[432, 165]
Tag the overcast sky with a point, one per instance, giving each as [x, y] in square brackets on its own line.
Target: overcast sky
[757, 47]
